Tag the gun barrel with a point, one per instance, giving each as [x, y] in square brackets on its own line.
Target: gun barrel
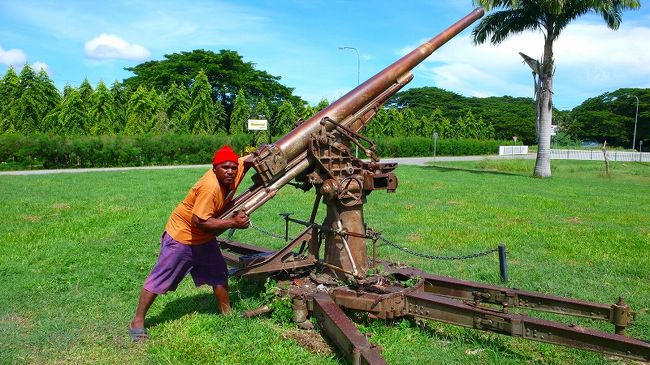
[296, 141]
[287, 158]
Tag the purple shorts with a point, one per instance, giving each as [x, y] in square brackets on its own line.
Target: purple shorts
[176, 259]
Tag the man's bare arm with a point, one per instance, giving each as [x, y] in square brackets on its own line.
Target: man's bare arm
[216, 225]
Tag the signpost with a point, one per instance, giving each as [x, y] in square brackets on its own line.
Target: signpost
[259, 125]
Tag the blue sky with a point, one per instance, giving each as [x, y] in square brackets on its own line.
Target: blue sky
[299, 41]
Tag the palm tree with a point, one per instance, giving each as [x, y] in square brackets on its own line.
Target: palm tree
[550, 17]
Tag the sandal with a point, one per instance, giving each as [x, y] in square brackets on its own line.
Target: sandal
[138, 334]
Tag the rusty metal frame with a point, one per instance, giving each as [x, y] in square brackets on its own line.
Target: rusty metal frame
[463, 303]
[343, 333]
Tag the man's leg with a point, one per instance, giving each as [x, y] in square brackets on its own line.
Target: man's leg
[146, 298]
[174, 261]
[221, 293]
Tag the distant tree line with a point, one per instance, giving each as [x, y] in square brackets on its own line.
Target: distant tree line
[608, 117]
[207, 93]
[611, 117]
[30, 103]
[198, 93]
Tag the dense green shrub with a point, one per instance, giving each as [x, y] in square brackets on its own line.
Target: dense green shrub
[421, 146]
[53, 151]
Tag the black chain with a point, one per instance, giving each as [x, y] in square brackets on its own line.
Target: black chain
[377, 236]
[374, 235]
[269, 233]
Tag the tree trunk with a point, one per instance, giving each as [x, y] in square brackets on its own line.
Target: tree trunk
[545, 113]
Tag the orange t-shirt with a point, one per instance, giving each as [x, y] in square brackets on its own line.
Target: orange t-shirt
[205, 200]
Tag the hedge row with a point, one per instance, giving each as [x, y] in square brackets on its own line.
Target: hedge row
[421, 146]
[51, 151]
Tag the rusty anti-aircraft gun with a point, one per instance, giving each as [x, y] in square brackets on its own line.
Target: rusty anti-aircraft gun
[317, 154]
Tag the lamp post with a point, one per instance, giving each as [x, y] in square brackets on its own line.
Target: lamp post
[356, 148]
[358, 60]
[636, 117]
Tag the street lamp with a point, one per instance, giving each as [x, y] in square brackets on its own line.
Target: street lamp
[636, 117]
[358, 60]
[356, 148]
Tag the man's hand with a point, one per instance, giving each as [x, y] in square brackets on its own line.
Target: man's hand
[217, 226]
[240, 220]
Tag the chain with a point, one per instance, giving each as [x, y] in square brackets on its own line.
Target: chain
[377, 236]
[268, 233]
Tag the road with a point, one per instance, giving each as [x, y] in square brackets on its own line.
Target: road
[418, 161]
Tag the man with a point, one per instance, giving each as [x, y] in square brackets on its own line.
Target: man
[189, 241]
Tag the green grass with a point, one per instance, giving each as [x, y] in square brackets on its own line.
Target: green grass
[75, 249]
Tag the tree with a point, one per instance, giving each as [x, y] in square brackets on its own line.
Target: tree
[375, 127]
[86, 93]
[51, 96]
[37, 98]
[121, 97]
[551, 17]
[177, 102]
[141, 112]
[241, 112]
[101, 111]
[73, 115]
[393, 123]
[285, 119]
[202, 116]
[9, 92]
[226, 73]
[508, 115]
[610, 117]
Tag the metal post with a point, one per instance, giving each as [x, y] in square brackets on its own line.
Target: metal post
[503, 265]
[636, 117]
[286, 225]
[356, 148]
[435, 143]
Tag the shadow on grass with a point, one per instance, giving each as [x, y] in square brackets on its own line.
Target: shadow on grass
[205, 303]
[474, 171]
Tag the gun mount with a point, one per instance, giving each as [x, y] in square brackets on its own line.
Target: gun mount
[316, 154]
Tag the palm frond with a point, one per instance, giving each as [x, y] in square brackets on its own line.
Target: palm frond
[500, 25]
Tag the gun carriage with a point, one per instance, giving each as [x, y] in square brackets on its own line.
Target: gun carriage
[317, 154]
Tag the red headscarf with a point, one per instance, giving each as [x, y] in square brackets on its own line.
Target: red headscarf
[225, 154]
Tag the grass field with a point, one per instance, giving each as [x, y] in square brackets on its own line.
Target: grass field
[75, 249]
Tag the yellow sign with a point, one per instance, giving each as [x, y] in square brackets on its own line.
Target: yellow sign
[257, 124]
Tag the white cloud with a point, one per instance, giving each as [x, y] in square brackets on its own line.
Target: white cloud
[590, 59]
[12, 57]
[110, 46]
[38, 66]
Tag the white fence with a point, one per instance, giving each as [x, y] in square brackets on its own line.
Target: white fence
[512, 150]
[598, 155]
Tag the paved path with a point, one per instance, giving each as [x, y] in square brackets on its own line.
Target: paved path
[418, 161]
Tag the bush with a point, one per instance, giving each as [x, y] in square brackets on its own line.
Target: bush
[53, 151]
[421, 146]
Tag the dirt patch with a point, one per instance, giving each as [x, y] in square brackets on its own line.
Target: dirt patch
[455, 202]
[61, 206]
[32, 218]
[311, 340]
[17, 320]
[414, 237]
[574, 220]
